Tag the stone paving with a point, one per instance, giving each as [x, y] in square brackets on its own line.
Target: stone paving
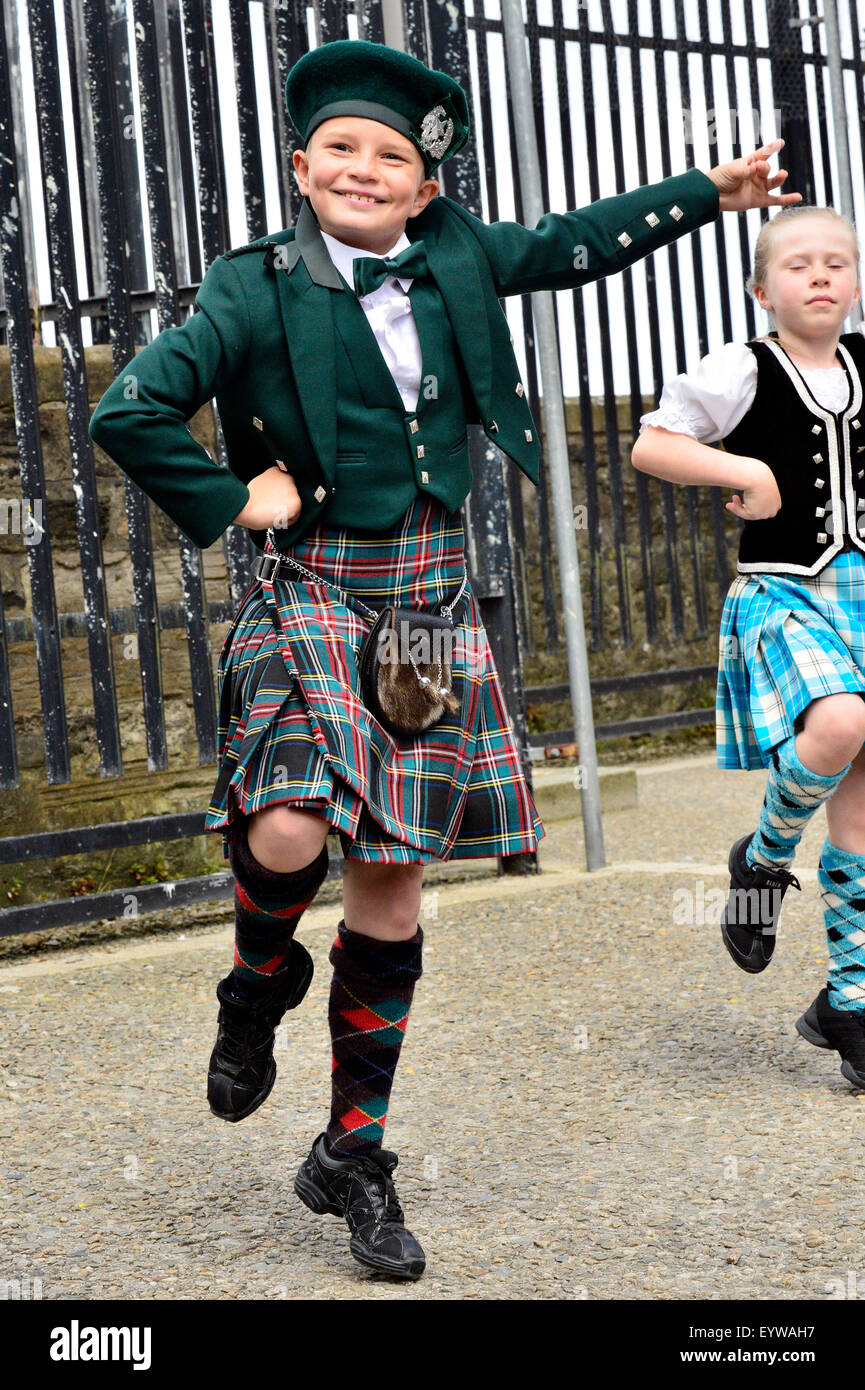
[592, 1101]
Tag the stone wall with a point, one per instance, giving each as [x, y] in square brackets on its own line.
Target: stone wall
[612, 656]
[185, 785]
[89, 799]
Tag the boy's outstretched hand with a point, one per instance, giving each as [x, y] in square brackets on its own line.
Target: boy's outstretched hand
[745, 183]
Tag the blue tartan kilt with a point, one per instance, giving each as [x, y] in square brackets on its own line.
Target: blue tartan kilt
[294, 730]
[786, 640]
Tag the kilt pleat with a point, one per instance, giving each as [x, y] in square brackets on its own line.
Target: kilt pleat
[294, 730]
[786, 640]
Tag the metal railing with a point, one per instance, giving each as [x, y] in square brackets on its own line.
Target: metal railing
[621, 100]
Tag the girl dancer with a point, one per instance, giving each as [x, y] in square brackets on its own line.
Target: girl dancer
[791, 679]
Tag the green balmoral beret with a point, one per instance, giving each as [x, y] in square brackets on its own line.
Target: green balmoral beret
[351, 77]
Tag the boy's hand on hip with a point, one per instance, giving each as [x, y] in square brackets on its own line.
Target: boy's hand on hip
[273, 501]
[745, 183]
[759, 499]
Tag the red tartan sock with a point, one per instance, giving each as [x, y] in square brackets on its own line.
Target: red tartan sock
[370, 999]
[267, 908]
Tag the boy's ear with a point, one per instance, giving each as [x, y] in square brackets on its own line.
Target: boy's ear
[301, 166]
[428, 189]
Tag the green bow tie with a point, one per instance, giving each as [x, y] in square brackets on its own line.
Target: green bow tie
[372, 271]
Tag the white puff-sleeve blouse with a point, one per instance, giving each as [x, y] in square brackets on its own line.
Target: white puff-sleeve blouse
[709, 402]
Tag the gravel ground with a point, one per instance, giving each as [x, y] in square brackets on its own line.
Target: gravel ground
[592, 1101]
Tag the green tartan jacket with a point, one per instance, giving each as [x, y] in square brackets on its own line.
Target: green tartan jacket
[263, 344]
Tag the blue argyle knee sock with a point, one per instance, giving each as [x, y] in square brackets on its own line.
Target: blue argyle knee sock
[842, 888]
[793, 794]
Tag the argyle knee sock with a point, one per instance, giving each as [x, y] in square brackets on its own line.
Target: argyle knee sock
[793, 794]
[267, 908]
[370, 998]
[841, 876]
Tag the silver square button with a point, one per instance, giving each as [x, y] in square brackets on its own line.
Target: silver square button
[424, 477]
[625, 239]
[320, 493]
[676, 213]
[528, 436]
[652, 218]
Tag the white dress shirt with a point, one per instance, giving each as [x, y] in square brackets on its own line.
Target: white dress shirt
[391, 318]
[711, 400]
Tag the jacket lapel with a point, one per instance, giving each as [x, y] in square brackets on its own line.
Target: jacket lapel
[305, 276]
[453, 268]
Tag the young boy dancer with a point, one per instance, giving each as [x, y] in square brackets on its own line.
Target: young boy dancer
[320, 343]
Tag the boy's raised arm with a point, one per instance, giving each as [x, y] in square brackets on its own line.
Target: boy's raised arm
[569, 249]
[140, 422]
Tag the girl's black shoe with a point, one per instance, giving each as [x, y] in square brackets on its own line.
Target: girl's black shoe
[842, 1029]
[749, 922]
[242, 1071]
[360, 1188]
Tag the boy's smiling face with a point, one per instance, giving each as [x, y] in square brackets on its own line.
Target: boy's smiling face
[353, 155]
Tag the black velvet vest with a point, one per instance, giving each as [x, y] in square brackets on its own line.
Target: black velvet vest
[817, 457]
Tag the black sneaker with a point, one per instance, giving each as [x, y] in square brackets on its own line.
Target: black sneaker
[242, 1071]
[749, 922]
[842, 1029]
[360, 1188]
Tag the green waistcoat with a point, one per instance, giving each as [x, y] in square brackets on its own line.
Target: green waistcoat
[379, 443]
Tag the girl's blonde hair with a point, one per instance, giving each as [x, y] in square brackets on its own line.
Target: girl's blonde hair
[765, 241]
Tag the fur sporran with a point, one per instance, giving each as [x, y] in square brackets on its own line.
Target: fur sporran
[405, 662]
[406, 670]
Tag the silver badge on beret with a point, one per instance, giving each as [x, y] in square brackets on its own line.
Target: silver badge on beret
[436, 132]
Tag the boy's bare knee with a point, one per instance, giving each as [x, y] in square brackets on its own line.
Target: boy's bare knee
[290, 821]
[285, 838]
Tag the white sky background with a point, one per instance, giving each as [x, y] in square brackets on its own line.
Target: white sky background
[682, 156]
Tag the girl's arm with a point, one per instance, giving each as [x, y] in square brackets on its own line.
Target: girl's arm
[682, 459]
[679, 458]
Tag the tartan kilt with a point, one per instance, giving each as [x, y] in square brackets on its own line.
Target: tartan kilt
[786, 640]
[294, 730]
